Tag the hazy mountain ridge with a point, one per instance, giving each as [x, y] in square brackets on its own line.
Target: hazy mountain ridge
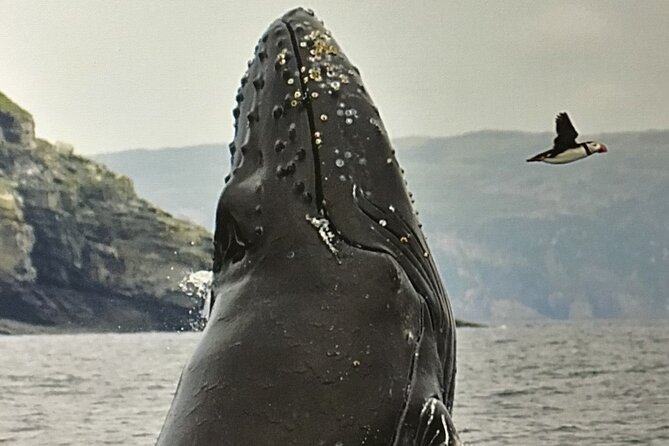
[188, 179]
[513, 240]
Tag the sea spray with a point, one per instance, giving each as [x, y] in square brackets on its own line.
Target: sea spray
[197, 285]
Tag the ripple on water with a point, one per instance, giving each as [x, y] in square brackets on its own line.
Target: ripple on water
[581, 383]
[598, 383]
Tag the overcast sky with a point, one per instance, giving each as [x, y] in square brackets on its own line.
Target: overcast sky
[112, 75]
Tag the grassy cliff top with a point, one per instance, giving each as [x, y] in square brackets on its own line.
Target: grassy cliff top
[8, 106]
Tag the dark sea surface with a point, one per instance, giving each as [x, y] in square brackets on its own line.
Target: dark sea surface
[586, 383]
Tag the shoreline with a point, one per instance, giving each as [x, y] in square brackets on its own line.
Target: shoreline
[10, 327]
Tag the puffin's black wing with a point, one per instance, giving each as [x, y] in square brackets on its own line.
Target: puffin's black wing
[550, 153]
[566, 133]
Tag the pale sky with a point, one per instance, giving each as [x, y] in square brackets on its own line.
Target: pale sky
[111, 75]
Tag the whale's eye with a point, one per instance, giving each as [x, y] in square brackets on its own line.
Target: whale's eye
[229, 247]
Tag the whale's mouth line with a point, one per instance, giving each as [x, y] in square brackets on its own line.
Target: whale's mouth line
[318, 188]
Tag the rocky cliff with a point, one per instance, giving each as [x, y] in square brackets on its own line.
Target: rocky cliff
[79, 249]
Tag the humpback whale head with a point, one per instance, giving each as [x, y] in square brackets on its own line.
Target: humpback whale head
[311, 157]
[315, 215]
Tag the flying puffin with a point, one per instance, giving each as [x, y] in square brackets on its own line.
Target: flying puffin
[565, 148]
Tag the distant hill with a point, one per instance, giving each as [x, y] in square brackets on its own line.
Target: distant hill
[188, 180]
[513, 240]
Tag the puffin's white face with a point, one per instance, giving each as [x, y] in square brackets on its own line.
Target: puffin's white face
[597, 147]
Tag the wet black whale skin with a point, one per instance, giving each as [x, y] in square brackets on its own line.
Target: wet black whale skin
[335, 337]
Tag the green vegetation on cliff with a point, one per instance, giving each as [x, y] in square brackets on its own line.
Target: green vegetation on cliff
[8, 106]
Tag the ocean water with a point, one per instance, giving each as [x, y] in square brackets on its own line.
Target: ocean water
[590, 383]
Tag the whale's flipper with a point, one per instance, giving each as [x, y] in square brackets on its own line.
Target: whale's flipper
[435, 427]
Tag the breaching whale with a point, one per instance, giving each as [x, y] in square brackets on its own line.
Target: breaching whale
[329, 324]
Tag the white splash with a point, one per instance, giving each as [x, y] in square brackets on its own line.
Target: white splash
[198, 284]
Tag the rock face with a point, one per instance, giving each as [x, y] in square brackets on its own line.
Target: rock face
[78, 248]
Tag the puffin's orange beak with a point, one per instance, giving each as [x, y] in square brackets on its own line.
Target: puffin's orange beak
[604, 149]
